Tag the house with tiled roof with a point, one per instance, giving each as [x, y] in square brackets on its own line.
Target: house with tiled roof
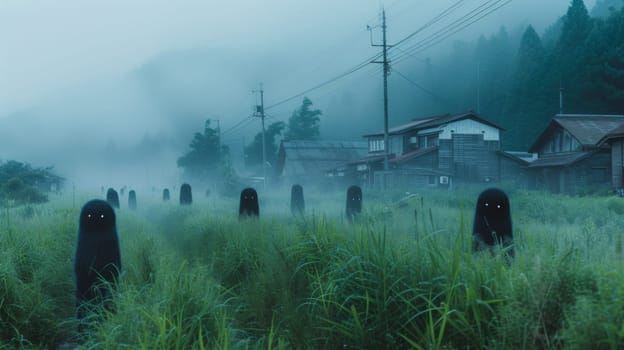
[307, 161]
[578, 153]
[435, 151]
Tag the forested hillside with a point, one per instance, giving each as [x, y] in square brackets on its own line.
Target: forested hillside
[514, 77]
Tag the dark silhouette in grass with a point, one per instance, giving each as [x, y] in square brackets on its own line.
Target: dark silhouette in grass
[248, 203]
[166, 196]
[186, 195]
[132, 201]
[354, 202]
[97, 262]
[112, 198]
[492, 222]
[297, 203]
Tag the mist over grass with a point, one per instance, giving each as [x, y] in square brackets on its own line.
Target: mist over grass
[402, 277]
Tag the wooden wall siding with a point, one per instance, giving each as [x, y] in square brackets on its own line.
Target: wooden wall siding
[428, 161]
[591, 174]
[560, 141]
[617, 162]
[396, 145]
[445, 155]
[474, 159]
[513, 173]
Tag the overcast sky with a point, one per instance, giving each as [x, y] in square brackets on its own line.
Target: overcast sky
[48, 46]
[68, 71]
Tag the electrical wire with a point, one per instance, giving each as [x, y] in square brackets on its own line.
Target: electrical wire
[429, 92]
[462, 23]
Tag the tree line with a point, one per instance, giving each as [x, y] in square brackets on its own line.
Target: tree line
[208, 159]
[515, 79]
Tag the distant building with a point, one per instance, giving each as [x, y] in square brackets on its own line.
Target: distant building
[576, 154]
[615, 139]
[434, 151]
[315, 162]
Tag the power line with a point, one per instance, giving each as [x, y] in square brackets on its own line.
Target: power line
[433, 21]
[460, 24]
[429, 92]
[238, 125]
[327, 82]
[364, 63]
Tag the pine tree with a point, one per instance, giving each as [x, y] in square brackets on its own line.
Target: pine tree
[523, 119]
[253, 152]
[205, 156]
[303, 124]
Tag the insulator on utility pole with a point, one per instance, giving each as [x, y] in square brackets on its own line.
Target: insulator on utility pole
[386, 72]
[260, 113]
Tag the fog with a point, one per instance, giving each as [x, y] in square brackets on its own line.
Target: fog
[110, 93]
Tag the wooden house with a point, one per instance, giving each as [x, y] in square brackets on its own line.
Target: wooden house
[575, 154]
[316, 162]
[615, 140]
[434, 151]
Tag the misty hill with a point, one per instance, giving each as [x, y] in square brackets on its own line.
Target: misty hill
[147, 116]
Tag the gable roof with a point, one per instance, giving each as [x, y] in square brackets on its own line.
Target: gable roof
[310, 158]
[413, 154]
[523, 158]
[616, 133]
[559, 159]
[587, 129]
[434, 121]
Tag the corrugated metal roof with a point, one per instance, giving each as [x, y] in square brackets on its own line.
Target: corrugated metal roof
[414, 154]
[587, 129]
[430, 122]
[613, 134]
[522, 157]
[309, 158]
[559, 159]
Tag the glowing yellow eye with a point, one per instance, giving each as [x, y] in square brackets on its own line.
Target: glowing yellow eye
[88, 215]
[102, 216]
[487, 204]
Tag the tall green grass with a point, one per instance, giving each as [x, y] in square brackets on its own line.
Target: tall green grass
[402, 277]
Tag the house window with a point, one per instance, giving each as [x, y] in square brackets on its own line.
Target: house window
[432, 140]
[376, 145]
[432, 179]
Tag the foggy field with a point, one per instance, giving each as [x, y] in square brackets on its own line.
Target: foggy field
[404, 277]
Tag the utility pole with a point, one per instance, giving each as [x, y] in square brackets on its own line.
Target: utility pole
[560, 98]
[478, 87]
[260, 113]
[386, 72]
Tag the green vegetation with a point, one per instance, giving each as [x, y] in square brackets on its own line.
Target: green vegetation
[22, 184]
[303, 124]
[404, 277]
[514, 78]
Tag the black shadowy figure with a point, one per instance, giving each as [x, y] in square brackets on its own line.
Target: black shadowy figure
[132, 201]
[186, 196]
[248, 203]
[166, 195]
[492, 222]
[97, 262]
[354, 202]
[297, 204]
[112, 198]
